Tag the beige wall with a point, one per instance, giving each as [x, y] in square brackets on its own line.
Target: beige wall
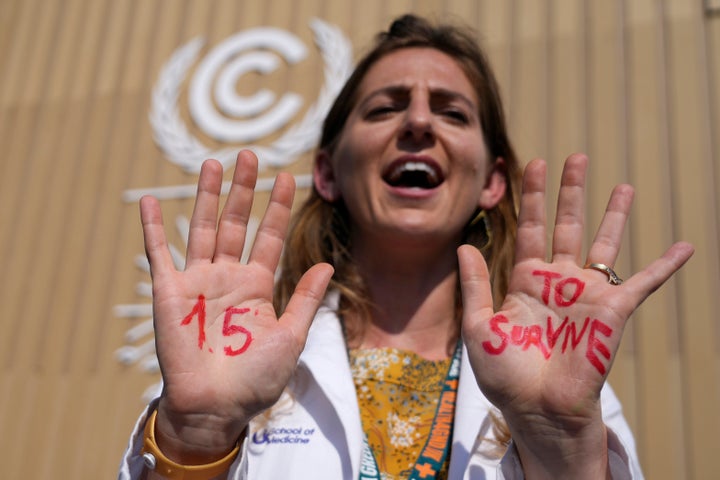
[636, 84]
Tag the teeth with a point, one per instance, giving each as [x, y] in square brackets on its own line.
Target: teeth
[411, 166]
[418, 174]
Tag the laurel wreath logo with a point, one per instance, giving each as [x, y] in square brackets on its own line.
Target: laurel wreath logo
[182, 148]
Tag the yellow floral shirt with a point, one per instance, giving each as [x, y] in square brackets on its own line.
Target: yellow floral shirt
[398, 393]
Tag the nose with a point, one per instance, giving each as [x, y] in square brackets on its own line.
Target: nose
[418, 122]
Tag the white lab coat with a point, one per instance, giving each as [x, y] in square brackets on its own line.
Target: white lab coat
[316, 432]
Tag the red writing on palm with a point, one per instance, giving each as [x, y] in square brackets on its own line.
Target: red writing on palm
[228, 328]
[562, 292]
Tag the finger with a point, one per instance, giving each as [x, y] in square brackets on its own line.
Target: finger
[531, 218]
[235, 215]
[606, 244]
[646, 281]
[156, 247]
[305, 301]
[272, 230]
[203, 223]
[475, 283]
[570, 217]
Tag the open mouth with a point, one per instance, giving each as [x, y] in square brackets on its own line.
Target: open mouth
[413, 174]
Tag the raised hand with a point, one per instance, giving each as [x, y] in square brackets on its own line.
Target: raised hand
[224, 354]
[543, 356]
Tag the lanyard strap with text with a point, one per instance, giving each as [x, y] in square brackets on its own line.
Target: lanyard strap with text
[437, 446]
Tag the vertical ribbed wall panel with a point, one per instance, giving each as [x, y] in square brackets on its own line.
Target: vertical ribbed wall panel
[633, 84]
[659, 382]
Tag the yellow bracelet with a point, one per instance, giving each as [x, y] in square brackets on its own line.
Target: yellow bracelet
[156, 461]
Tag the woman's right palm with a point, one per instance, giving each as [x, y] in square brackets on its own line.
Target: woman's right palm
[223, 352]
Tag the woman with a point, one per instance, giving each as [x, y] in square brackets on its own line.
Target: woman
[413, 176]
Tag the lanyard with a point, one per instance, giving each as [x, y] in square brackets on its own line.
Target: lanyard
[433, 454]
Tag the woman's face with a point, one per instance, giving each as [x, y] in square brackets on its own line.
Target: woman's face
[411, 160]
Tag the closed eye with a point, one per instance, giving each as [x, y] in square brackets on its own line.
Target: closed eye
[382, 111]
[455, 115]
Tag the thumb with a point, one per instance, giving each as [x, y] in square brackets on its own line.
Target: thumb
[305, 300]
[475, 285]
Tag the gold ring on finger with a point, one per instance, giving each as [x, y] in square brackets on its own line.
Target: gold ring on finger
[613, 278]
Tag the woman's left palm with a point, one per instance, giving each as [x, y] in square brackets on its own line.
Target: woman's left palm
[545, 354]
[550, 346]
